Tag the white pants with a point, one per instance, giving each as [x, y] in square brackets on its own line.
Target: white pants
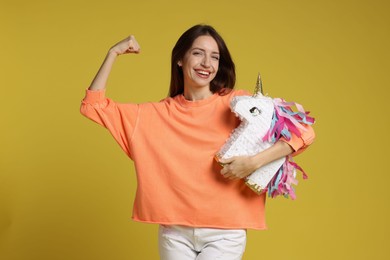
[187, 243]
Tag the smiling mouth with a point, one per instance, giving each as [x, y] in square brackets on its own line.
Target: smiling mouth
[203, 73]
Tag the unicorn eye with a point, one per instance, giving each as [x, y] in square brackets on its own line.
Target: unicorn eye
[255, 111]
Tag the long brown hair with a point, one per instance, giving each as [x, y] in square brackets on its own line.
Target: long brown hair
[226, 75]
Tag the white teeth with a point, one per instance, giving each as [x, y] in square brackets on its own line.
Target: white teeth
[203, 72]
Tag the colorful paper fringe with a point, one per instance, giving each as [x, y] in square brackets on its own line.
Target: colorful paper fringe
[285, 122]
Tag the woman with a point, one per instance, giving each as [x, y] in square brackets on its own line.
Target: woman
[203, 210]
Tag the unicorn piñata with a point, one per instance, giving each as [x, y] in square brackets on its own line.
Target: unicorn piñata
[263, 121]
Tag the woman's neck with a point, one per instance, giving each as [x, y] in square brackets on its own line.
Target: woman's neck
[197, 94]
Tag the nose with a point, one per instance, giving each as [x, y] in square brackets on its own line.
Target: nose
[206, 61]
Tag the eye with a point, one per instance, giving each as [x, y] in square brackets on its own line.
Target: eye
[255, 111]
[215, 57]
[197, 53]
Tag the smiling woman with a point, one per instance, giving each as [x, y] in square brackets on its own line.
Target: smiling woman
[215, 49]
[200, 66]
[181, 188]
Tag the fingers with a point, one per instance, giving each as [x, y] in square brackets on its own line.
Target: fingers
[235, 168]
[133, 46]
[127, 45]
[227, 172]
[226, 161]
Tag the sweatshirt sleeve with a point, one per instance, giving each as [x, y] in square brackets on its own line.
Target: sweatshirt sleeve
[299, 144]
[119, 119]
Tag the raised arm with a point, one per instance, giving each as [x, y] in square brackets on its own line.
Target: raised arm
[128, 45]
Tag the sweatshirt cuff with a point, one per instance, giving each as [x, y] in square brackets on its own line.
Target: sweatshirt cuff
[295, 142]
[299, 144]
[94, 96]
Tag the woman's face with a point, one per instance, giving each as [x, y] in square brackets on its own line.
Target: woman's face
[200, 63]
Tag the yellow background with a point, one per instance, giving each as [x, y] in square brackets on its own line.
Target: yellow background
[66, 188]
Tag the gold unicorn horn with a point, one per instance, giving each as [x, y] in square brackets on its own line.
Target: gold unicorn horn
[259, 86]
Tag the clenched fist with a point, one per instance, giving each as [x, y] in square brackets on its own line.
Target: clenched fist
[128, 45]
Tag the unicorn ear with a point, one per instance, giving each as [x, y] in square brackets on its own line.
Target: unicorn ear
[259, 87]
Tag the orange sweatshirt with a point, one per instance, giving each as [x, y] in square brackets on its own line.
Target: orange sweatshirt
[173, 143]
